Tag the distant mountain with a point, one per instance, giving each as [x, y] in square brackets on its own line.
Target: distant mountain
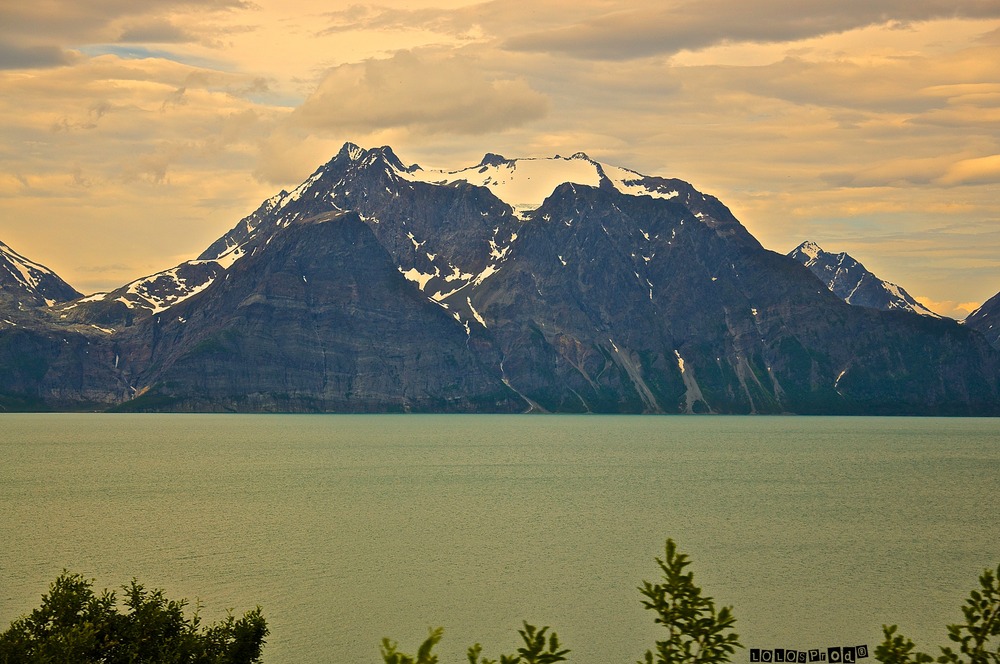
[986, 320]
[30, 284]
[47, 362]
[854, 284]
[551, 285]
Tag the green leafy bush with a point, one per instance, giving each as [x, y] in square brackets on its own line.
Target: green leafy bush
[975, 637]
[697, 634]
[74, 624]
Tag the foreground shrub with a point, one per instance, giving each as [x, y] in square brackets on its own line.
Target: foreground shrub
[73, 624]
[975, 636]
[696, 632]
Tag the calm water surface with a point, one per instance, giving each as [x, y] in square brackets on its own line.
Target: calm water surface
[350, 528]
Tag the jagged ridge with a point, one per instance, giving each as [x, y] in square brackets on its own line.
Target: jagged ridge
[853, 283]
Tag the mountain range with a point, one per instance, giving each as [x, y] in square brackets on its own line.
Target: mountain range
[545, 285]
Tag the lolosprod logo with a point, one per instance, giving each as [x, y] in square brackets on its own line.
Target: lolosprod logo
[836, 655]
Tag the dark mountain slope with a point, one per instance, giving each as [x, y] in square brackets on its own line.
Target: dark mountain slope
[627, 303]
[320, 321]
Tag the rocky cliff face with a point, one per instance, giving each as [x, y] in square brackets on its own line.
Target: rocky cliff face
[321, 321]
[560, 285]
[45, 361]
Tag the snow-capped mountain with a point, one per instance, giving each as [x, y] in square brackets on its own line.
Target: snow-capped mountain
[559, 284]
[443, 257]
[853, 283]
[30, 283]
[521, 185]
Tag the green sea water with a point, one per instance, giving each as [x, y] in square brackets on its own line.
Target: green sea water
[349, 528]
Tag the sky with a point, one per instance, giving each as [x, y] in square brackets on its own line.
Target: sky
[133, 133]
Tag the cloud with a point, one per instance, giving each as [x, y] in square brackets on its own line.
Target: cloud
[154, 31]
[374, 17]
[74, 19]
[289, 154]
[35, 34]
[109, 120]
[484, 20]
[13, 56]
[891, 172]
[623, 32]
[981, 170]
[942, 171]
[438, 93]
[950, 308]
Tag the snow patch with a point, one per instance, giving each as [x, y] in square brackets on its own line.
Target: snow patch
[415, 275]
[227, 259]
[485, 274]
[457, 274]
[524, 184]
[475, 313]
[300, 190]
[810, 249]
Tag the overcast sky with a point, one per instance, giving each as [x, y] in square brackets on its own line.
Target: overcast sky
[133, 133]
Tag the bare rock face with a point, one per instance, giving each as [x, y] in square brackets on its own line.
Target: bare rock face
[560, 285]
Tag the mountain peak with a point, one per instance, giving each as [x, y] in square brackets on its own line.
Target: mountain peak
[808, 248]
[386, 154]
[847, 278]
[493, 159]
[351, 151]
[32, 283]
[355, 154]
